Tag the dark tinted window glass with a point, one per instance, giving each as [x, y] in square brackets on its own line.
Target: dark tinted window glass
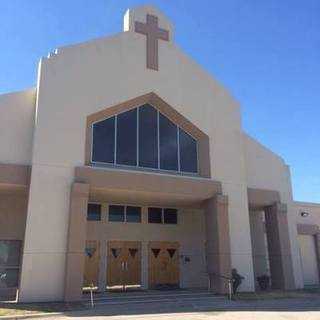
[127, 138]
[154, 215]
[168, 144]
[133, 214]
[188, 152]
[148, 137]
[9, 278]
[103, 141]
[116, 213]
[170, 216]
[94, 212]
[10, 253]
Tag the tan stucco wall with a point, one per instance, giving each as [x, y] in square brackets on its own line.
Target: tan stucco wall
[267, 170]
[313, 210]
[189, 232]
[86, 78]
[313, 218]
[16, 126]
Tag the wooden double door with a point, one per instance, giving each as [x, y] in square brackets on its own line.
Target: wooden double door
[92, 261]
[163, 264]
[123, 263]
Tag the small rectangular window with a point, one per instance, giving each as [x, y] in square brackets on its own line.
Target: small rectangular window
[170, 216]
[133, 214]
[10, 254]
[94, 212]
[154, 215]
[116, 213]
[9, 277]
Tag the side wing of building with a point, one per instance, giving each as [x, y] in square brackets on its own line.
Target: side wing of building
[17, 111]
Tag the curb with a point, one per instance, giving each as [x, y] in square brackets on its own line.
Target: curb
[31, 316]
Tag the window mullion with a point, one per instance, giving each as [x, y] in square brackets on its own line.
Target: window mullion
[178, 145]
[158, 134]
[138, 110]
[115, 138]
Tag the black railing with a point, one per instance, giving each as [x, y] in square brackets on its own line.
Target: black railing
[228, 279]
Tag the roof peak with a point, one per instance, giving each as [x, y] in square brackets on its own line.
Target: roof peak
[139, 14]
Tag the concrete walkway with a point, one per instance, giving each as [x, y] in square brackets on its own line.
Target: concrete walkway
[204, 308]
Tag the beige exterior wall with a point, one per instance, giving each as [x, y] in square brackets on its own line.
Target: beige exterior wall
[313, 210]
[266, 170]
[86, 78]
[16, 126]
[312, 220]
[309, 261]
[189, 232]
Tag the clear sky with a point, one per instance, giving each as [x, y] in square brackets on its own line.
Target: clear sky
[267, 53]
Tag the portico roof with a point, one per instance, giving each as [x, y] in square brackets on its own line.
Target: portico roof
[149, 188]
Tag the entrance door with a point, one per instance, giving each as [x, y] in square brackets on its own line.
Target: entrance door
[124, 264]
[163, 264]
[91, 268]
[309, 259]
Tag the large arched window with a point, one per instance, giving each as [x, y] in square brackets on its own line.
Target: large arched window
[143, 137]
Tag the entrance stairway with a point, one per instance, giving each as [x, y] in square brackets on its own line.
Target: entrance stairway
[152, 297]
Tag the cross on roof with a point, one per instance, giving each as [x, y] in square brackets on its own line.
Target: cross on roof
[153, 34]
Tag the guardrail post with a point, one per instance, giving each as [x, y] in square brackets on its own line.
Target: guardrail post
[91, 295]
[230, 289]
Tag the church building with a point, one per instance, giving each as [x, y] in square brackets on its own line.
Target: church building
[127, 166]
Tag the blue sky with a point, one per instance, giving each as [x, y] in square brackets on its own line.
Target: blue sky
[266, 52]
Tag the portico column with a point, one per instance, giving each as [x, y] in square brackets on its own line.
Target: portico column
[218, 242]
[279, 246]
[75, 256]
[102, 282]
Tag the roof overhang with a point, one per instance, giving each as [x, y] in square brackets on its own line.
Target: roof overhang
[146, 188]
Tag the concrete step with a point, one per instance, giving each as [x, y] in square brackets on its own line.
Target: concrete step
[152, 297]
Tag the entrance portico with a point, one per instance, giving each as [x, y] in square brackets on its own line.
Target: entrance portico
[143, 189]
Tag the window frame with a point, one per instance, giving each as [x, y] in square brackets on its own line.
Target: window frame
[137, 166]
[162, 217]
[125, 213]
[115, 146]
[96, 203]
[176, 212]
[14, 267]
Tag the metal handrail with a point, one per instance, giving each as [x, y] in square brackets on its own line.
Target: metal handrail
[230, 282]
